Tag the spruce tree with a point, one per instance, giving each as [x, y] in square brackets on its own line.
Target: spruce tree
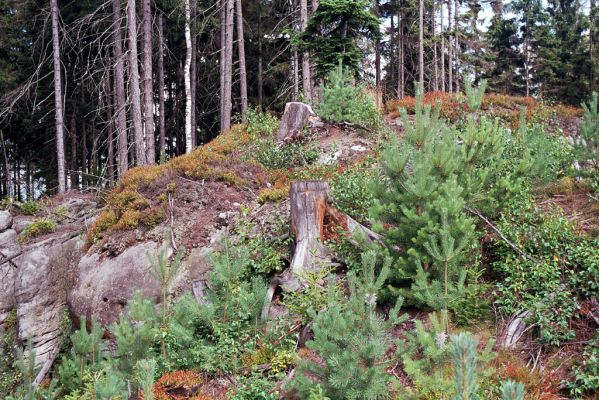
[419, 193]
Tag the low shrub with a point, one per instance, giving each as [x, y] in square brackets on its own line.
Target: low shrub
[152, 217]
[29, 207]
[261, 124]
[37, 228]
[585, 375]
[290, 155]
[351, 191]
[552, 269]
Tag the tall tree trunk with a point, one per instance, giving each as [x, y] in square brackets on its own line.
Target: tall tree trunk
[442, 49]
[187, 77]
[228, 105]
[377, 59]
[456, 26]
[260, 65]
[84, 164]
[401, 66]
[161, 106]
[421, 46]
[110, 129]
[242, 67]
[223, 39]
[120, 117]
[134, 89]
[148, 92]
[450, 48]
[93, 163]
[435, 58]
[592, 32]
[73, 135]
[193, 74]
[306, 80]
[58, 99]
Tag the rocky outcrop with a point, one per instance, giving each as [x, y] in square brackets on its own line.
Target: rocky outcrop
[40, 288]
[104, 286]
[36, 275]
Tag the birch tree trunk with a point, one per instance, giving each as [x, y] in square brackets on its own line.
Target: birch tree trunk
[306, 80]
[120, 118]
[161, 88]
[442, 49]
[134, 89]
[187, 78]
[242, 67]
[148, 92]
[421, 45]
[228, 105]
[59, 116]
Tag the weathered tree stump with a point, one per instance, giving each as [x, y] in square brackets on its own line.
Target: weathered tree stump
[314, 220]
[295, 118]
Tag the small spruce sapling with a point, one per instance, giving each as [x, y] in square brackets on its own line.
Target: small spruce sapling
[465, 366]
[474, 95]
[352, 341]
[86, 345]
[136, 333]
[164, 270]
[109, 385]
[587, 144]
[146, 369]
[511, 390]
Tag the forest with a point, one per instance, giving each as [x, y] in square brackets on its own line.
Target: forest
[299, 199]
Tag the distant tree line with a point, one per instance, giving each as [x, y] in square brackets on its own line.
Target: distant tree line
[89, 89]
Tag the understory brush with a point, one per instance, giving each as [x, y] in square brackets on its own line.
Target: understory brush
[545, 268]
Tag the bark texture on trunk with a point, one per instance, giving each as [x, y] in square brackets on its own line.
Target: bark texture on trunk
[228, 104]
[306, 80]
[450, 48]
[120, 117]
[161, 88]
[223, 37]
[243, 83]
[421, 46]
[456, 26]
[442, 49]
[59, 113]
[134, 89]
[148, 92]
[193, 75]
[73, 135]
[187, 78]
[435, 58]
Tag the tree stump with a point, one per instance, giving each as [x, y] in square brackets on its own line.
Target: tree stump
[314, 220]
[295, 118]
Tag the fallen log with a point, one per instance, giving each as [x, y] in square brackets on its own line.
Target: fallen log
[314, 219]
